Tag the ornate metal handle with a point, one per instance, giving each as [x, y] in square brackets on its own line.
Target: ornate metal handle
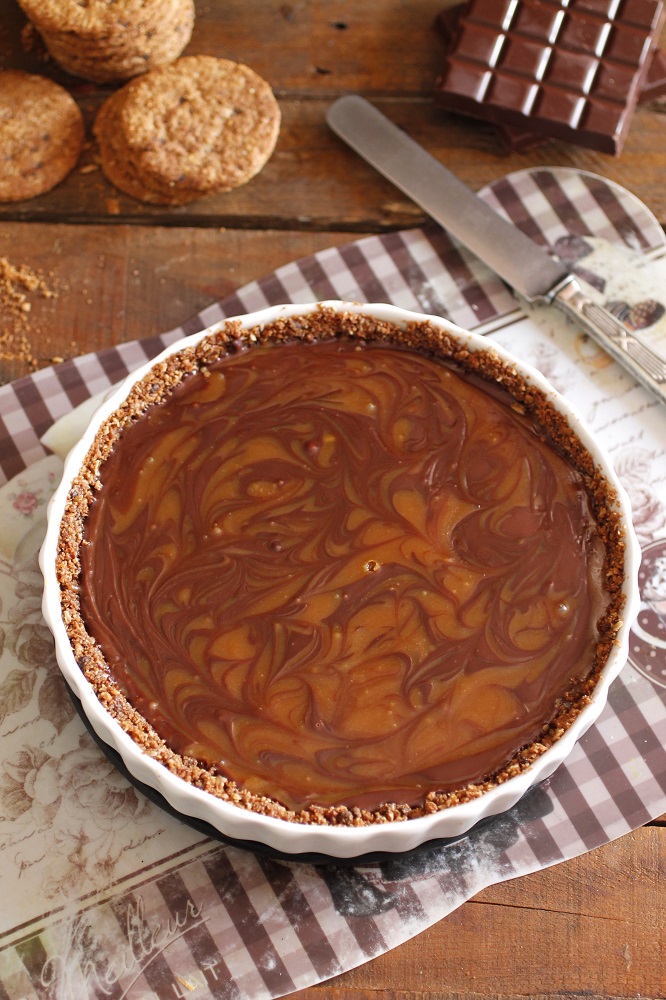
[648, 367]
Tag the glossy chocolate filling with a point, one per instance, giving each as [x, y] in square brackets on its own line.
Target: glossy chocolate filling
[341, 573]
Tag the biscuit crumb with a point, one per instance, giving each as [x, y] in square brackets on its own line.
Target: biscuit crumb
[17, 283]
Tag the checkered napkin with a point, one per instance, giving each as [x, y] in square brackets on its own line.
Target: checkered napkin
[104, 894]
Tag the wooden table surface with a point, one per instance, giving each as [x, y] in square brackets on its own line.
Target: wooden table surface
[120, 270]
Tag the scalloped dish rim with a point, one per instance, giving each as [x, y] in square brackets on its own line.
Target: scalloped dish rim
[342, 842]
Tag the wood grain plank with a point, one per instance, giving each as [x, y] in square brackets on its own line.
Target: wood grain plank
[328, 992]
[303, 49]
[315, 182]
[388, 51]
[122, 283]
[592, 926]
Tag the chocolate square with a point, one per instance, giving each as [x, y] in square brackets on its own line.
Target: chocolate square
[612, 82]
[561, 107]
[526, 57]
[476, 42]
[541, 21]
[587, 34]
[467, 80]
[496, 13]
[575, 71]
[627, 46]
[512, 90]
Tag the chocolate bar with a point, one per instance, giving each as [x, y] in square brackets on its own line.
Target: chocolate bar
[565, 69]
[517, 140]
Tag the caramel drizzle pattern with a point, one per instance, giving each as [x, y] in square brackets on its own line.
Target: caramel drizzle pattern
[341, 575]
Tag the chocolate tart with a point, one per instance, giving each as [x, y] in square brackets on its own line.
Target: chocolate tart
[339, 578]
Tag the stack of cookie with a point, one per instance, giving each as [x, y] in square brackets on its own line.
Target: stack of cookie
[41, 135]
[104, 42]
[200, 126]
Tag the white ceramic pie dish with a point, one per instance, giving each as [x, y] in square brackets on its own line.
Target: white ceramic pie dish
[330, 841]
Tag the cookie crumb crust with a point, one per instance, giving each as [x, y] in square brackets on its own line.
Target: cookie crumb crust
[324, 324]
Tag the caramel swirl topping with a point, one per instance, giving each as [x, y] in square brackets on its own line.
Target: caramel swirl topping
[341, 574]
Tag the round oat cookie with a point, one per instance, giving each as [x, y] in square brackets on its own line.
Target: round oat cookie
[107, 41]
[41, 134]
[116, 162]
[95, 19]
[199, 126]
